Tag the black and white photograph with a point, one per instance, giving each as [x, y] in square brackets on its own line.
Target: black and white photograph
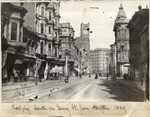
[75, 51]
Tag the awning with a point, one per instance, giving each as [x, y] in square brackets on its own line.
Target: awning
[56, 69]
[126, 65]
[77, 69]
[11, 49]
[29, 56]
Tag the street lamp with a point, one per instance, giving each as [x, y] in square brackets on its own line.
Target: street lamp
[80, 55]
[115, 57]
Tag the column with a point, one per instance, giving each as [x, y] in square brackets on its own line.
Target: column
[18, 32]
[51, 51]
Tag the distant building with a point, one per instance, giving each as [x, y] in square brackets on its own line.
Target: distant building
[112, 60]
[67, 44]
[83, 43]
[139, 48]
[121, 42]
[100, 60]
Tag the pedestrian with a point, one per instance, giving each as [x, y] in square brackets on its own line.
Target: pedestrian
[16, 75]
[67, 79]
[107, 76]
[125, 76]
[96, 76]
[89, 75]
[100, 74]
[60, 76]
[27, 75]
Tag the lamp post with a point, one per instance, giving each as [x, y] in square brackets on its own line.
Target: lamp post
[80, 54]
[36, 71]
[115, 65]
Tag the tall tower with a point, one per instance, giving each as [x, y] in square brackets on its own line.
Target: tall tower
[83, 43]
[121, 41]
[85, 30]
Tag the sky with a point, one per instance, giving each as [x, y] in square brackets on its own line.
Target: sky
[101, 16]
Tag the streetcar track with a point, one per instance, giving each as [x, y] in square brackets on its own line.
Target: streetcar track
[78, 91]
[66, 88]
[39, 91]
[60, 88]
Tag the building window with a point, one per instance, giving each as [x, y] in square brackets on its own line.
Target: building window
[41, 47]
[49, 30]
[42, 11]
[50, 17]
[56, 34]
[42, 28]
[49, 47]
[55, 20]
[14, 31]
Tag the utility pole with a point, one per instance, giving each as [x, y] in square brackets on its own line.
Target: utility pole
[115, 57]
[66, 64]
[80, 54]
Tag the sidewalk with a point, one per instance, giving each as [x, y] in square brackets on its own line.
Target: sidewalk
[16, 91]
[133, 84]
[31, 83]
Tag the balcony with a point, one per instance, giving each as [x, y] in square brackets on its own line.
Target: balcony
[40, 17]
[41, 55]
[57, 14]
[49, 37]
[50, 57]
[50, 6]
[41, 35]
[50, 22]
[17, 43]
[56, 42]
[56, 27]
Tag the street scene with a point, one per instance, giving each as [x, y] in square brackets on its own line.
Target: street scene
[89, 53]
[77, 90]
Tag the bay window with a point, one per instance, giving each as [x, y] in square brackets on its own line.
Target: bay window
[13, 31]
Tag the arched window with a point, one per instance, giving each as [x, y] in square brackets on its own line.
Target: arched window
[42, 11]
[42, 28]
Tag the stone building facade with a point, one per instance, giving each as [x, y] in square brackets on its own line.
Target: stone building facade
[121, 42]
[43, 18]
[12, 31]
[67, 45]
[139, 48]
[100, 60]
[33, 39]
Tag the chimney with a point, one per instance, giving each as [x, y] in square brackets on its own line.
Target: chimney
[139, 7]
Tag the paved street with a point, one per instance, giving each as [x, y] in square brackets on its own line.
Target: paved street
[77, 90]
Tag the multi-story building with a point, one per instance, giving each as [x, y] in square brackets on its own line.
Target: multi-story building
[83, 43]
[100, 60]
[12, 31]
[67, 45]
[112, 70]
[43, 18]
[31, 31]
[139, 48]
[121, 41]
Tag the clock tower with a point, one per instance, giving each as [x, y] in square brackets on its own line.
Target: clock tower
[85, 30]
[83, 43]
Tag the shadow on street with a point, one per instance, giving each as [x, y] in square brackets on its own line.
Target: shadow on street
[122, 92]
